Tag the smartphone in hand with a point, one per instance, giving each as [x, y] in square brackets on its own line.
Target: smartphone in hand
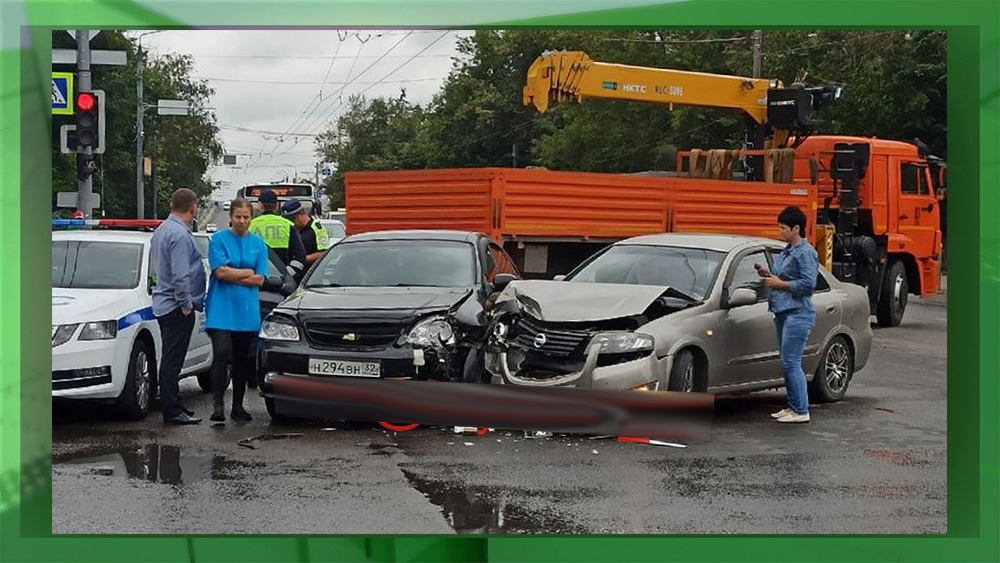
[762, 271]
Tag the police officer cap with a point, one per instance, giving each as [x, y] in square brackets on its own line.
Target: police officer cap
[268, 196]
[291, 208]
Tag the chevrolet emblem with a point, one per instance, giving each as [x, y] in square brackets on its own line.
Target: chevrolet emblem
[350, 336]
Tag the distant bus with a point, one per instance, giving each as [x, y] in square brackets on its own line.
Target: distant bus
[306, 193]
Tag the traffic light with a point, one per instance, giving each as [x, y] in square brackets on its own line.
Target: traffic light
[84, 166]
[87, 120]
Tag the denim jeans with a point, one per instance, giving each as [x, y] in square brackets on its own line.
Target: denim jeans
[793, 332]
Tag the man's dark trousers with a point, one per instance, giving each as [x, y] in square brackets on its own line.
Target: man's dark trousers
[175, 334]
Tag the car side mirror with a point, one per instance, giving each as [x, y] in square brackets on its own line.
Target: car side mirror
[501, 281]
[742, 297]
[274, 283]
[289, 286]
[560, 277]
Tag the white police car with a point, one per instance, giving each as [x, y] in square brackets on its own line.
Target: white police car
[105, 339]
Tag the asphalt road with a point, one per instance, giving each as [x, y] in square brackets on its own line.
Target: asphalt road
[874, 463]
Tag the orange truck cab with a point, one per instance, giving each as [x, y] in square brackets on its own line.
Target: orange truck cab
[883, 199]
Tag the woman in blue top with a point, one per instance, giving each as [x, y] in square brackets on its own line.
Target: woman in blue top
[792, 284]
[238, 261]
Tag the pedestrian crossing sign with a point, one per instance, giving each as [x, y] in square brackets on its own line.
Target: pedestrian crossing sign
[62, 93]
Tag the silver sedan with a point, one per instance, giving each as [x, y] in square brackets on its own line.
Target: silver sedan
[677, 312]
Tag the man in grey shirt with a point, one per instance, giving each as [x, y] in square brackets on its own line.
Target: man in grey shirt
[179, 291]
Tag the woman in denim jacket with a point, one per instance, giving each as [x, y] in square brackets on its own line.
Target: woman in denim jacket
[792, 284]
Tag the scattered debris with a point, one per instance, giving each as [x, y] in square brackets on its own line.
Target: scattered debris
[600, 437]
[253, 442]
[593, 452]
[535, 434]
[327, 429]
[469, 444]
[650, 442]
[883, 409]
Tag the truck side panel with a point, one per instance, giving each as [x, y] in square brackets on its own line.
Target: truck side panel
[739, 208]
[575, 205]
[418, 199]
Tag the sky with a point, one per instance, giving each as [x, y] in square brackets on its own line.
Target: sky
[275, 89]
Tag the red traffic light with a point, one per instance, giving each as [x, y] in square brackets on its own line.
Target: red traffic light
[85, 101]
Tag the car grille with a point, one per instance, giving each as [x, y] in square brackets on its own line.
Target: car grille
[351, 336]
[560, 343]
[74, 379]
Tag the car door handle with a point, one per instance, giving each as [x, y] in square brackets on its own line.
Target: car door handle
[831, 309]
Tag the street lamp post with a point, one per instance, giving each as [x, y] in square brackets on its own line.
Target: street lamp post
[139, 114]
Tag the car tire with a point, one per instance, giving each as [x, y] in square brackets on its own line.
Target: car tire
[269, 404]
[133, 403]
[205, 379]
[893, 296]
[834, 372]
[683, 373]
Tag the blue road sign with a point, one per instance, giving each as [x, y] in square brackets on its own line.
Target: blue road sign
[62, 93]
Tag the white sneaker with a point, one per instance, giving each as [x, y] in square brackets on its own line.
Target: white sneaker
[782, 413]
[794, 417]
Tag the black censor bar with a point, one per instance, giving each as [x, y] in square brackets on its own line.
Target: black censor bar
[571, 410]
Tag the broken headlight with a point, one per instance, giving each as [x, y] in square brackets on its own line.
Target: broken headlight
[623, 342]
[432, 333]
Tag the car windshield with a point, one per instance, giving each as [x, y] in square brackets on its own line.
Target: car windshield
[396, 263]
[202, 243]
[335, 228]
[96, 264]
[690, 270]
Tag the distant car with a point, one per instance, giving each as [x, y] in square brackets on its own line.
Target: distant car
[226, 204]
[105, 339]
[392, 304]
[335, 228]
[675, 312]
[211, 228]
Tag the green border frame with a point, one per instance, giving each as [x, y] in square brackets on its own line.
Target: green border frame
[973, 423]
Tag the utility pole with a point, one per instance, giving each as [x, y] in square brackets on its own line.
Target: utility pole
[140, 205]
[756, 53]
[84, 185]
[317, 175]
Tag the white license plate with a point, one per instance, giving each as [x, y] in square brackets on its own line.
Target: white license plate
[345, 369]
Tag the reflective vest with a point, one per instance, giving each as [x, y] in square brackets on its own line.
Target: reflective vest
[322, 236]
[274, 229]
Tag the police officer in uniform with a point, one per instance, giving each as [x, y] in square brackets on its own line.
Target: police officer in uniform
[315, 238]
[279, 233]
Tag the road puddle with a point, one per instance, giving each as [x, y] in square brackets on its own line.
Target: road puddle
[157, 463]
[488, 510]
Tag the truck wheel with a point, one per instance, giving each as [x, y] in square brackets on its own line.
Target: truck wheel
[833, 374]
[893, 296]
[682, 373]
[133, 403]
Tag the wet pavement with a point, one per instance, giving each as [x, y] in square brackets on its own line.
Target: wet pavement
[873, 463]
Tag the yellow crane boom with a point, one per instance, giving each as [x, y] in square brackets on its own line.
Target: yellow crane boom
[773, 108]
[572, 75]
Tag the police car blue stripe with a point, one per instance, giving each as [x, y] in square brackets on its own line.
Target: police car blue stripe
[136, 317]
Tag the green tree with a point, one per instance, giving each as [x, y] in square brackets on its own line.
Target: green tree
[181, 147]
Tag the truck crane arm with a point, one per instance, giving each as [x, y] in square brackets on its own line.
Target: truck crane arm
[572, 75]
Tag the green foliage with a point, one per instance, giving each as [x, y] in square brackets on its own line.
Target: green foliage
[181, 147]
[895, 88]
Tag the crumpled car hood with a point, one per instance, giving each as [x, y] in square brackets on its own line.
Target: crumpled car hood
[577, 302]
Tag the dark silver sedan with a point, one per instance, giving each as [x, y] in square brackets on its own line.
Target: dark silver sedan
[677, 312]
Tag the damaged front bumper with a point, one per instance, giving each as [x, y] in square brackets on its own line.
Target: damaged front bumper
[625, 375]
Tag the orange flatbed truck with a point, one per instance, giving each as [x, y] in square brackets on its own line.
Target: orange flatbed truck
[873, 205]
[551, 221]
